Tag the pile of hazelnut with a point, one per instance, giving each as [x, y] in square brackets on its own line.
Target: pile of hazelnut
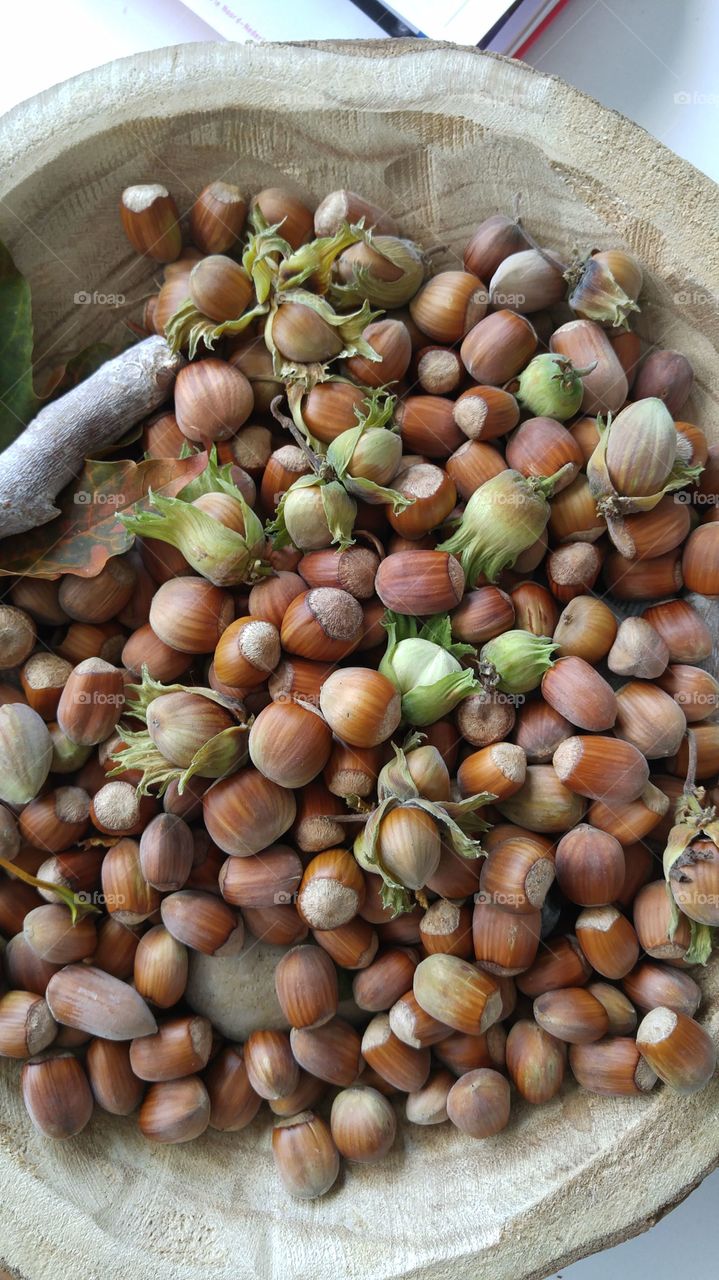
[365, 689]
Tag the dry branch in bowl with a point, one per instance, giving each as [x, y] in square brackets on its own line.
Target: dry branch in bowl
[53, 447]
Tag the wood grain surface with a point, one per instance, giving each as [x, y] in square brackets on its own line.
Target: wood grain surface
[441, 136]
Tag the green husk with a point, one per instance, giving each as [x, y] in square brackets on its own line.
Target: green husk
[515, 661]
[331, 475]
[702, 938]
[340, 512]
[426, 705]
[693, 820]
[502, 518]
[376, 411]
[383, 293]
[189, 327]
[701, 944]
[314, 261]
[598, 296]
[551, 387]
[139, 696]
[350, 327]
[615, 506]
[215, 478]
[340, 453]
[397, 790]
[423, 704]
[220, 756]
[366, 850]
[339, 507]
[263, 254]
[220, 554]
[395, 779]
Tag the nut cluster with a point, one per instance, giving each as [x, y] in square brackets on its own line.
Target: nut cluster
[364, 690]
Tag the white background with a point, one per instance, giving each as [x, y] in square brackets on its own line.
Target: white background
[653, 60]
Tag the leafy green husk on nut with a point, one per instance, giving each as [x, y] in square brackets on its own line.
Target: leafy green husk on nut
[350, 328]
[694, 820]
[515, 661]
[396, 789]
[220, 756]
[423, 665]
[502, 518]
[551, 387]
[637, 460]
[222, 555]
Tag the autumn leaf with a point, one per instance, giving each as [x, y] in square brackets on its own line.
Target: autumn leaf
[88, 532]
[17, 397]
[63, 377]
[80, 366]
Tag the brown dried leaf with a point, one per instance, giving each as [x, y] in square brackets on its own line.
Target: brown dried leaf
[87, 532]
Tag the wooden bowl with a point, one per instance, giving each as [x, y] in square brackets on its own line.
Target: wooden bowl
[442, 136]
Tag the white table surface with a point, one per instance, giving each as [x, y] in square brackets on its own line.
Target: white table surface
[653, 60]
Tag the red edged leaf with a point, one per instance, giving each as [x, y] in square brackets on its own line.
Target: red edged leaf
[87, 532]
[63, 377]
[49, 383]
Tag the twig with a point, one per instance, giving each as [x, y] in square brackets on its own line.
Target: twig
[52, 449]
[691, 778]
[319, 465]
[558, 266]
